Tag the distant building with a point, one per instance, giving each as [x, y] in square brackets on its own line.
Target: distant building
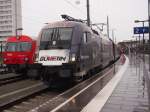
[10, 18]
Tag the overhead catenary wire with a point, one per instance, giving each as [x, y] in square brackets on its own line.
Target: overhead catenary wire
[68, 2]
[78, 9]
[35, 20]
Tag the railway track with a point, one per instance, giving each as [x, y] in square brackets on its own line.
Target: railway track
[31, 97]
[29, 103]
[9, 78]
[49, 100]
[18, 91]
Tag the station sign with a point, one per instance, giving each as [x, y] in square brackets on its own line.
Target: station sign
[141, 30]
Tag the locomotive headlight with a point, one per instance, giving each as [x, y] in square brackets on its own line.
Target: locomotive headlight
[5, 59]
[72, 57]
[26, 59]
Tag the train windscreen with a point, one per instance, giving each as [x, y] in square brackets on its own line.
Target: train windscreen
[18, 46]
[56, 38]
[24, 46]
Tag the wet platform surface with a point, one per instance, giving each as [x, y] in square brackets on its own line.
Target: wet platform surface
[130, 95]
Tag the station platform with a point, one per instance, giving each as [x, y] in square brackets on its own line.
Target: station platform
[130, 95]
[127, 91]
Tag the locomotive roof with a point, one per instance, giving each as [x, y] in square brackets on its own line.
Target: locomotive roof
[65, 24]
[21, 38]
[73, 24]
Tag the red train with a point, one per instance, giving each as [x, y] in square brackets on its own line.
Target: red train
[19, 53]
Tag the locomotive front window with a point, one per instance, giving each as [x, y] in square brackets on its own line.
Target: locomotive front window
[24, 46]
[11, 46]
[65, 33]
[18, 46]
[56, 38]
[47, 34]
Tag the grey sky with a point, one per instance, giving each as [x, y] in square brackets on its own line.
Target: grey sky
[122, 14]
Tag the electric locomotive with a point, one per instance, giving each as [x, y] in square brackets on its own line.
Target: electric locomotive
[19, 53]
[70, 50]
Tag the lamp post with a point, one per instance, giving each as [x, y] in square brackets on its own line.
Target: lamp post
[113, 39]
[88, 13]
[16, 24]
[108, 26]
[18, 29]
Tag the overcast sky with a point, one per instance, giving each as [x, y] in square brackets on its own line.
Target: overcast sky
[122, 14]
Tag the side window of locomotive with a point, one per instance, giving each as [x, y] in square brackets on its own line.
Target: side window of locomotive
[86, 37]
[65, 33]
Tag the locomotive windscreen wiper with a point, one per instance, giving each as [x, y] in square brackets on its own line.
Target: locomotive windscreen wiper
[57, 36]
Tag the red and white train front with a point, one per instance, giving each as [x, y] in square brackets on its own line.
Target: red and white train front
[19, 52]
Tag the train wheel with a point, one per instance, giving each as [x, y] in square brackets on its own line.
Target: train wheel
[79, 79]
[47, 77]
[88, 75]
[92, 71]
